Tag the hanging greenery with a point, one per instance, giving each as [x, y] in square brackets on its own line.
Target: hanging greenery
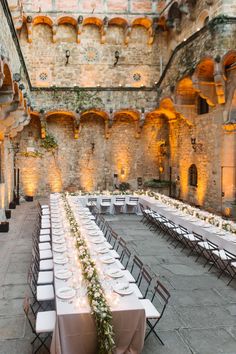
[49, 143]
[31, 154]
[86, 100]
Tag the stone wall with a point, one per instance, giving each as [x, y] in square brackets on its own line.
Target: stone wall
[91, 161]
[91, 63]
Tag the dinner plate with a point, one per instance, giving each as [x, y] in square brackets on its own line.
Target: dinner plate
[56, 225]
[102, 249]
[60, 260]
[123, 289]
[58, 234]
[96, 240]
[60, 248]
[63, 274]
[107, 259]
[115, 273]
[59, 240]
[66, 293]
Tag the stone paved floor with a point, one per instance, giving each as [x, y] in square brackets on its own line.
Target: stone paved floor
[201, 316]
[15, 256]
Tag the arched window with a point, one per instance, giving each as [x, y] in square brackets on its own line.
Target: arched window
[202, 107]
[192, 175]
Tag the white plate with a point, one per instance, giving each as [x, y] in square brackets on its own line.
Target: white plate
[63, 274]
[107, 259]
[96, 240]
[122, 289]
[59, 240]
[115, 273]
[102, 250]
[57, 226]
[60, 248]
[66, 293]
[60, 260]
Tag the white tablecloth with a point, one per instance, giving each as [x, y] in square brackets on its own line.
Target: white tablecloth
[75, 330]
[220, 237]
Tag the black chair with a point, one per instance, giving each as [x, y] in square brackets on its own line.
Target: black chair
[136, 268]
[43, 326]
[205, 249]
[144, 282]
[155, 308]
[223, 260]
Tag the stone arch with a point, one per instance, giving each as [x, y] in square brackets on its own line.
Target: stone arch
[95, 21]
[204, 80]
[66, 20]
[118, 21]
[205, 70]
[42, 20]
[142, 21]
[185, 93]
[228, 62]
[6, 89]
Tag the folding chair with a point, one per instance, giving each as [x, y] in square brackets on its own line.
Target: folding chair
[92, 202]
[125, 257]
[113, 239]
[136, 268]
[132, 205]
[223, 260]
[232, 272]
[144, 282]
[43, 327]
[153, 314]
[205, 249]
[105, 205]
[119, 204]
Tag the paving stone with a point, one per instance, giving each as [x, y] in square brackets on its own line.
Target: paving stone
[210, 341]
[20, 278]
[15, 347]
[11, 307]
[12, 327]
[205, 316]
[174, 344]
[195, 297]
[15, 291]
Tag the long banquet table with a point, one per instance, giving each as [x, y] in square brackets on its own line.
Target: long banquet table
[223, 239]
[75, 330]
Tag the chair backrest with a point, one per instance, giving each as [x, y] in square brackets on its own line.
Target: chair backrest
[133, 199]
[120, 245]
[92, 199]
[212, 244]
[199, 237]
[141, 207]
[26, 308]
[120, 199]
[144, 282]
[136, 268]
[125, 257]
[106, 200]
[114, 238]
[229, 255]
[163, 296]
[183, 229]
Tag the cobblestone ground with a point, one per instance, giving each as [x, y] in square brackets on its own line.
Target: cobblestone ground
[15, 256]
[200, 318]
[201, 315]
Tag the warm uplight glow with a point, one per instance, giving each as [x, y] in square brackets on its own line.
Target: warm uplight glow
[2, 195]
[55, 180]
[30, 178]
